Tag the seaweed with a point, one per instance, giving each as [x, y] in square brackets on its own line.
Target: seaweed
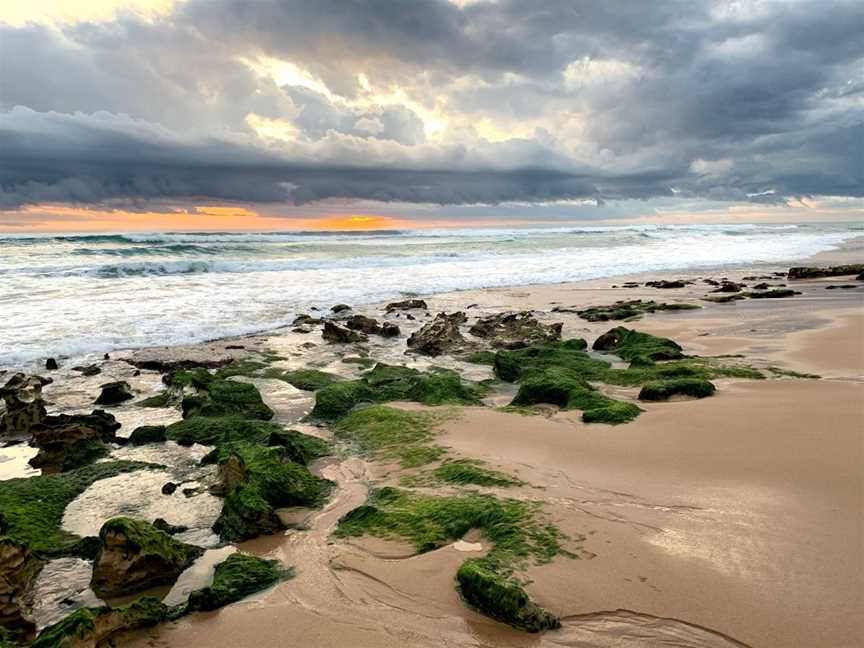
[237, 577]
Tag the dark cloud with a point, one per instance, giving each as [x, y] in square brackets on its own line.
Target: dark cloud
[708, 100]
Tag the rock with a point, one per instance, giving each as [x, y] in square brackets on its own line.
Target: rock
[341, 335]
[92, 627]
[514, 330]
[662, 390]
[67, 442]
[729, 287]
[134, 556]
[217, 397]
[306, 320]
[301, 329]
[51, 364]
[371, 326]
[234, 579]
[439, 336]
[407, 304]
[88, 370]
[664, 283]
[776, 293]
[25, 406]
[622, 310]
[840, 286]
[235, 346]
[171, 529]
[711, 282]
[114, 393]
[169, 488]
[106, 357]
[340, 308]
[18, 569]
[833, 271]
[636, 347]
[630, 284]
[147, 434]
[860, 277]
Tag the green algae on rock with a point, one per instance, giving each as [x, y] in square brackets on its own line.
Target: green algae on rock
[239, 576]
[305, 379]
[298, 447]
[256, 480]
[392, 434]
[89, 627]
[661, 390]
[501, 597]
[463, 472]
[215, 430]
[134, 556]
[516, 530]
[32, 508]
[624, 310]
[386, 383]
[147, 434]
[636, 347]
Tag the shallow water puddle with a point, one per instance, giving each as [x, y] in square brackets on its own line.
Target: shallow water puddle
[62, 587]
[14, 461]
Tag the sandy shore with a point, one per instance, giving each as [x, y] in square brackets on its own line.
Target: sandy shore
[729, 521]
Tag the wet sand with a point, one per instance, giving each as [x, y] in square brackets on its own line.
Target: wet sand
[730, 521]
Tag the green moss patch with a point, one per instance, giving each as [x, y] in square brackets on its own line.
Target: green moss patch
[518, 532]
[162, 399]
[630, 309]
[227, 398]
[788, 373]
[387, 383]
[305, 379]
[220, 429]
[636, 347]
[463, 472]
[661, 390]
[298, 447]
[391, 434]
[32, 508]
[239, 576]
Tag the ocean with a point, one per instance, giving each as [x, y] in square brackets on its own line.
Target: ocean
[74, 295]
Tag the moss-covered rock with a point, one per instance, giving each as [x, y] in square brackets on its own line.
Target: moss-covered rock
[32, 508]
[501, 597]
[217, 430]
[162, 399]
[391, 434]
[386, 383]
[148, 434]
[239, 576]
[227, 398]
[91, 627]
[135, 556]
[560, 386]
[622, 310]
[298, 447]
[636, 347]
[661, 390]
[463, 472]
[256, 480]
[305, 379]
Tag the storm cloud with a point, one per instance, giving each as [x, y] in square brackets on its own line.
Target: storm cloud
[436, 103]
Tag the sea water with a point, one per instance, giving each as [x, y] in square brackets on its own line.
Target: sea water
[72, 295]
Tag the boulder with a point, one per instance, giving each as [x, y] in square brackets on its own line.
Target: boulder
[304, 320]
[832, 271]
[407, 304]
[729, 287]
[340, 308]
[147, 434]
[235, 578]
[18, 569]
[171, 529]
[439, 336]
[51, 364]
[67, 442]
[114, 393]
[515, 330]
[169, 488]
[665, 283]
[25, 406]
[341, 335]
[88, 370]
[636, 347]
[134, 556]
[371, 326]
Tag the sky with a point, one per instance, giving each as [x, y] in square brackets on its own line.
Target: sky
[350, 114]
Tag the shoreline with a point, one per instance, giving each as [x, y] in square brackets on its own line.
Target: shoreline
[848, 252]
[718, 522]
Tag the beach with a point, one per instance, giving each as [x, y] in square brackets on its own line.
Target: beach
[731, 520]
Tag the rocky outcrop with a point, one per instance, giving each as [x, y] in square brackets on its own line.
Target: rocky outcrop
[147, 434]
[666, 283]
[439, 336]
[88, 370]
[134, 556]
[636, 347]
[25, 406]
[114, 393]
[235, 578]
[407, 304]
[91, 627]
[18, 569]
[67, 442]
[729, 287]
[341, 335]
[371, 326]
[515, 330]
[833, 271]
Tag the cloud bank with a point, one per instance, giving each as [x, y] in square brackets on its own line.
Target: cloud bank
[259, 101]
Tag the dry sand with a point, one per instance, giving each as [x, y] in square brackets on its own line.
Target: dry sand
[729, 521]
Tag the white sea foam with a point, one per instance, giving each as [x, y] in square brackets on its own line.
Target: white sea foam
[73, 295]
